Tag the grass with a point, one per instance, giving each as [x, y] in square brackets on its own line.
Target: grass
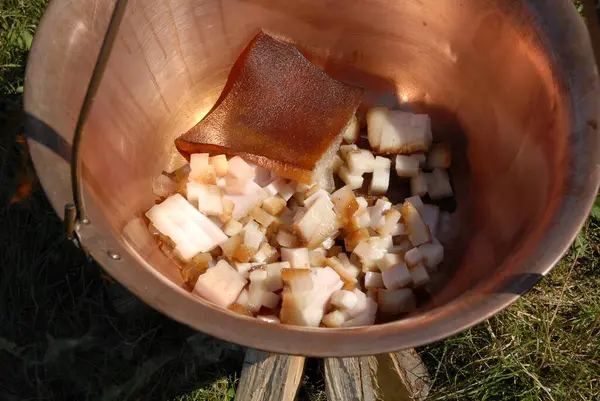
[220, 389]
[61, 337]
[18, 21]
[544, 347]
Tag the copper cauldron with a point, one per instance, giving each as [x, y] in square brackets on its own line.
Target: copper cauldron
[511, 84]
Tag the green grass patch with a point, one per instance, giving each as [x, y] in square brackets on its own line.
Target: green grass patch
[222, 389]
[544, 347]
[18, 22]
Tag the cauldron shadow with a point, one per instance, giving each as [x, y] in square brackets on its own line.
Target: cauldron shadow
[67, 331]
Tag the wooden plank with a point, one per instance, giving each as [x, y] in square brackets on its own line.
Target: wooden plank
[400, 376]
[269, 377]
[348, 379]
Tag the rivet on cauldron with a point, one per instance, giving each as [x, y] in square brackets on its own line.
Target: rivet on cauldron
[113, 255]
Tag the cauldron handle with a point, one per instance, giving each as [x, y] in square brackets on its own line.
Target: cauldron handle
[75, 213]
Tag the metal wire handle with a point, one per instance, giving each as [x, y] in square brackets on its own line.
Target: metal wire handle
[75, 213]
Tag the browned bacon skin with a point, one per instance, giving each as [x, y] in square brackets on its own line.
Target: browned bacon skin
[278, 111]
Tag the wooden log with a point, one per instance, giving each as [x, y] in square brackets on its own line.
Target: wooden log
[269, 377]
[348, 379]
[399, 376]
